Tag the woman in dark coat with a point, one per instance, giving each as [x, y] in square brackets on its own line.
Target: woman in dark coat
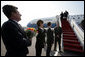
[40, 38]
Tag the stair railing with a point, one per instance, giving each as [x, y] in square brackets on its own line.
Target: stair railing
[78, 31]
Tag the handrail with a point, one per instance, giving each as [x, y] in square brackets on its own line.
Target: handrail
[79, 26]
[78, 31]
[76, 25]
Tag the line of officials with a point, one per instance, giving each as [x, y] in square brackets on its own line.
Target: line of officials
[40, 39]
[16, 40]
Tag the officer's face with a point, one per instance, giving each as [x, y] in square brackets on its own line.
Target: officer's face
[41, 25]
[16, 15]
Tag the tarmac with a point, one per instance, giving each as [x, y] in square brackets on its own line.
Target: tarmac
[33, 53]
[31, 48]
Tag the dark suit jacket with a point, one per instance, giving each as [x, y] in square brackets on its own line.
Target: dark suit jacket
[50, 37]
[58, 31]
[40, 38]
[61, 15]
[14, 38]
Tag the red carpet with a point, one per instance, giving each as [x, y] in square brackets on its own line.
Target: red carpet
[70, 40]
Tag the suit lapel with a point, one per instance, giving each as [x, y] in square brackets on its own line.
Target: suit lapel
[18, 27]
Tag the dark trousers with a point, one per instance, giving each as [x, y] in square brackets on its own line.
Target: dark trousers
[59, 43]
[48, 49]
[15, 54]
[38, 51]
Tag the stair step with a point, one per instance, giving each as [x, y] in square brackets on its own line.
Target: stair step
[68, 31]
[69, 34]
[71, 38]
[71, 41]
[73, 49]
[65, 27]
[73, 45]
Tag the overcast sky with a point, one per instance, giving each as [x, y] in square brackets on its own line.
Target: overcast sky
[39, 9]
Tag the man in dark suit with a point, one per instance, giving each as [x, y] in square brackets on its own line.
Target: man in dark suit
[40, 38]
[61, 15]
[66, 15]
[58, 32]
[50, 39]
[13, 35]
